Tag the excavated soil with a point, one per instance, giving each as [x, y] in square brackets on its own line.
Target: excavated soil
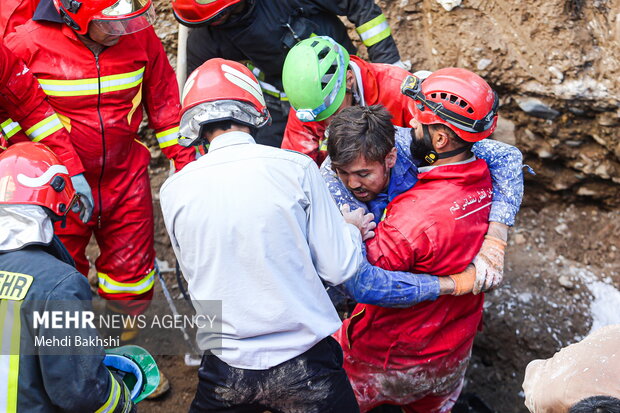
[556, 66]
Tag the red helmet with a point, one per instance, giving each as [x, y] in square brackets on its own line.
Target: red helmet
[115, 17]
[220, 90]
[193, 12]
[30, 173]
[457, 98]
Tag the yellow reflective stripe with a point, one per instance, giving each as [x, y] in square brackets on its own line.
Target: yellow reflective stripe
[14, 361]
[85, 87]
[110, 286]
[10, 128]
[115, 395]
[374, 31]
[5, 357]
[323, 144]
[267, 88]
[168, 137]
[10, 328]
[44, 128]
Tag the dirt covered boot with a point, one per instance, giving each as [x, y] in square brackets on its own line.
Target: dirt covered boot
[164, 386]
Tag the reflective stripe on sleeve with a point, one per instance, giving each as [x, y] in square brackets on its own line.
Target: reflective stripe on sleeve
[267, 88]
[10, 128]
[86, 87]
[115, 395]
[168, 137]
[44, 128]
[110, 286]
[10, 334]
[374, 31]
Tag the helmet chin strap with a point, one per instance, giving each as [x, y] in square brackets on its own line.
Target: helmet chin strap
[432, 156]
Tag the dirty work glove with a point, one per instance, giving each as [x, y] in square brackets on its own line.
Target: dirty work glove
[85, 206]
[464, 281]
[363, 221]
[489, 264]
[403, 64]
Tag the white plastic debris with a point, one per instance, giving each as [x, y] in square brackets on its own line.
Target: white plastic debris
[449, 4]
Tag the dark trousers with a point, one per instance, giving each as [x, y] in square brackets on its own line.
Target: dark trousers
[313, 382]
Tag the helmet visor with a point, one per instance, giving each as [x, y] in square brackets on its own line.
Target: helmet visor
[220, 110]
[122, 26]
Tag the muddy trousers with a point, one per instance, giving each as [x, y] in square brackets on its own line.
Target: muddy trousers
[124, 230]
[313, 382]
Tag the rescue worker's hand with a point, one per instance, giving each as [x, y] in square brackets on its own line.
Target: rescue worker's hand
[489, 264]
[464, 281]
[364, 222]
[86, 202]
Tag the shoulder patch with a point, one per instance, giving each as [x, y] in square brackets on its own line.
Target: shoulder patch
[14, 286]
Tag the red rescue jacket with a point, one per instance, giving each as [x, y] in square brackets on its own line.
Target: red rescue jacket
[437, 227]
[381, 86]
[101, 98]
[25, 114]
[14, 13]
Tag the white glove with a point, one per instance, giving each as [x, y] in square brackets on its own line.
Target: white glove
[85, 206]
[489, 264]
[364, 222]
[422, 74]
[403, 64]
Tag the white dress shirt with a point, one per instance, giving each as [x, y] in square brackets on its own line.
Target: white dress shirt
[255, 227]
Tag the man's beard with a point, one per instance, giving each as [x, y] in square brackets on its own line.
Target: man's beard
[419, 149]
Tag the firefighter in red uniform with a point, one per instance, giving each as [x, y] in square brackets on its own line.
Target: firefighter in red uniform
[24, 105]
[14, 13]
[101, 65]
[352, 81]
[416, 357]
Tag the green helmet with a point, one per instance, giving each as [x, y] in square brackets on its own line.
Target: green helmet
[136, 367]
[314, 77]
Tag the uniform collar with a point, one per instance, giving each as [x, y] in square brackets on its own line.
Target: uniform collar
[230, 139]
[423, 169]
[47, 12]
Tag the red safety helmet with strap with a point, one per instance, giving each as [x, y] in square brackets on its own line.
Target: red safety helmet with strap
[194, 12]
[220, 90]
[30, 173]
[114, 17]
[457, 98]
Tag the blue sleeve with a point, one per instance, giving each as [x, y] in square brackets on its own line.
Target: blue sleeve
[506, 165]
[339, 192]
[374, 285]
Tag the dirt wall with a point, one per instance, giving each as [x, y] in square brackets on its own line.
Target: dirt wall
[556, 66]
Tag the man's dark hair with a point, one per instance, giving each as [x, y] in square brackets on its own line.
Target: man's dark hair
[222, 125]
[597, 404]
[356, 131]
